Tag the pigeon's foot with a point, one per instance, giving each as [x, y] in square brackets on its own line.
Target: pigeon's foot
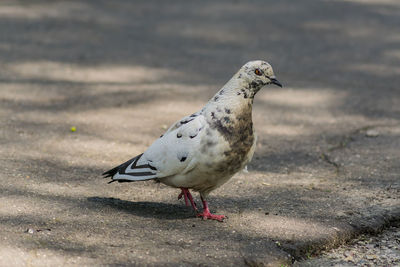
[186, 194]
[206, 214]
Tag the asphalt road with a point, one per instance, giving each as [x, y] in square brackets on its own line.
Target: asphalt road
[326, 166]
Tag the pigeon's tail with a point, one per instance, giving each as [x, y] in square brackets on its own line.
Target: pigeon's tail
[112, 172]
[131, 171]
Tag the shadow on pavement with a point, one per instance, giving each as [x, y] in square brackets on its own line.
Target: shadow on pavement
[123, 71]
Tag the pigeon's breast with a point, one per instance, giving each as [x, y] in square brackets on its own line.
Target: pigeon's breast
[236, 129]
[222, 159]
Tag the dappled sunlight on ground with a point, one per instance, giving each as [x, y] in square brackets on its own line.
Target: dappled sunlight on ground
[58, 10]
[393, 3]
[11, 256]
[295, 229]
[303, 97]
[380, 70]
[62, 72]
[122, 73]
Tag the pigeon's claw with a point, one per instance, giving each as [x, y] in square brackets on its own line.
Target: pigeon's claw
[206, 214]
[186, 194]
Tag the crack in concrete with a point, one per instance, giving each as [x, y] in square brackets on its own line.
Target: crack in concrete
[344, 142]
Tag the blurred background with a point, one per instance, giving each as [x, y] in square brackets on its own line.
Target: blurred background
[85, 85]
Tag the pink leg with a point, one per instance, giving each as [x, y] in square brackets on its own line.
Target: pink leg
[186, 193]
[206, 214]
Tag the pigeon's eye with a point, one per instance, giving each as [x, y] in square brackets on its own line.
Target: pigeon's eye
[258, 72]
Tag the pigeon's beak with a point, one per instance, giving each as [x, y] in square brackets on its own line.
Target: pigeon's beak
[275, 81]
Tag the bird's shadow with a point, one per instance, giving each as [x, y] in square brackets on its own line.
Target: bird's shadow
[157, 210]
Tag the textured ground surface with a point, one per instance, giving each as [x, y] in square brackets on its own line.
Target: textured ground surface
[326, 166]
[380, 250]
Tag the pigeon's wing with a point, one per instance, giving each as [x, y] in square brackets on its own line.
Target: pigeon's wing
[183, 121]
[173, 153]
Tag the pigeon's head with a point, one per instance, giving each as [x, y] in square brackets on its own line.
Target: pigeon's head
[258, 73]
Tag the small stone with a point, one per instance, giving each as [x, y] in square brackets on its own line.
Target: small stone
[371, 257]
[349, 258]
[347, 253]
[362, 263]
[370, 246]
[245, 170]
[29, 231]
[372, 133]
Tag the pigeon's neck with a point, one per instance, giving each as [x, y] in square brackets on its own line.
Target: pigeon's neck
[236, 95]
[230, 113]
[231, 109]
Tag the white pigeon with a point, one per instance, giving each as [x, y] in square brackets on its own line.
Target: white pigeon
[204, 150]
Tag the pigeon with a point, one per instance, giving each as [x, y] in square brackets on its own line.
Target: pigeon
[204, 150]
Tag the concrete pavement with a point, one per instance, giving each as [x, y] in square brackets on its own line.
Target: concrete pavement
[325, 170]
